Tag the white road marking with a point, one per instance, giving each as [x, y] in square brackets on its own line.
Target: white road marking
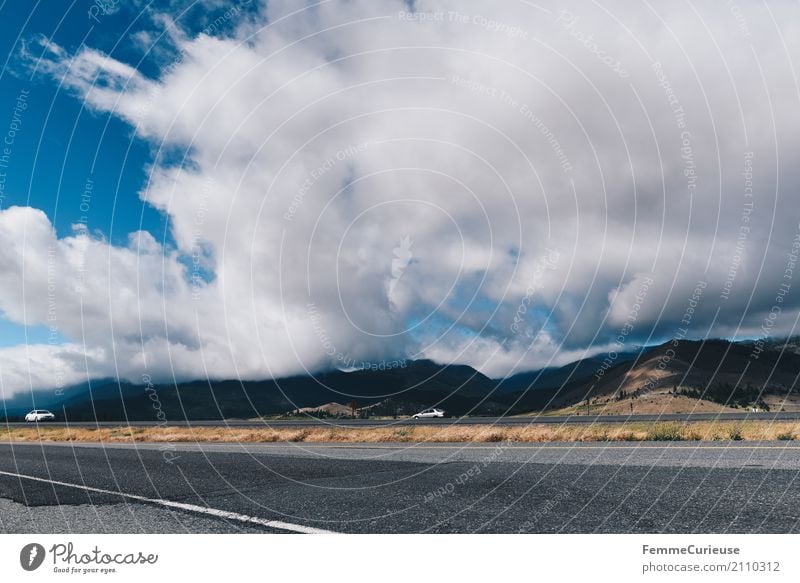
[288, 526]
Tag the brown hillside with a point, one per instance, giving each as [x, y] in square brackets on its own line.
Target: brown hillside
[682, 376]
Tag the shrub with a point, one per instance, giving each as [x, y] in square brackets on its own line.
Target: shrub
[402, 434]
[665, 432]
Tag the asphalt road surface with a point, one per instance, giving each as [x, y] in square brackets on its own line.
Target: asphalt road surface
[527, 420]
[677, 487]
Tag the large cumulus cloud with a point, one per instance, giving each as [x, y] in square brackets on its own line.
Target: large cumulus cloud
[504, 186]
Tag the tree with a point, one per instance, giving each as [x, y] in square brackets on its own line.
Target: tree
[353, 407]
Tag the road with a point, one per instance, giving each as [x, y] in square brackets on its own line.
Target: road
[675, 487]
[527, 420]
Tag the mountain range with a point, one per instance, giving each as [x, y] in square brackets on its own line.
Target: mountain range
[677, 376]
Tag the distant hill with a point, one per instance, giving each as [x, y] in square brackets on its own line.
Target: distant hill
[420, 384]
[718, 372]
[685, 375]
[326, 410]
[555, 377]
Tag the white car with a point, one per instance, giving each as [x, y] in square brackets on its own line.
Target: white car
[428, 413]
[40, 415]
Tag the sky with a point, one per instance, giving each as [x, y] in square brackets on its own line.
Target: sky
[194, 190]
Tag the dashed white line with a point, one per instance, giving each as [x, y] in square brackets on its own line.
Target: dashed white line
[277, 524]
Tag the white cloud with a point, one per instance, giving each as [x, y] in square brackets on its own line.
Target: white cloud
[317, 142]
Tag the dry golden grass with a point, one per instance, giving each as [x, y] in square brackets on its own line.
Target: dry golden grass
[634, 431]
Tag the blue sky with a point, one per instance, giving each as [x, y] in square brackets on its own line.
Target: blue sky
[63, 145]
